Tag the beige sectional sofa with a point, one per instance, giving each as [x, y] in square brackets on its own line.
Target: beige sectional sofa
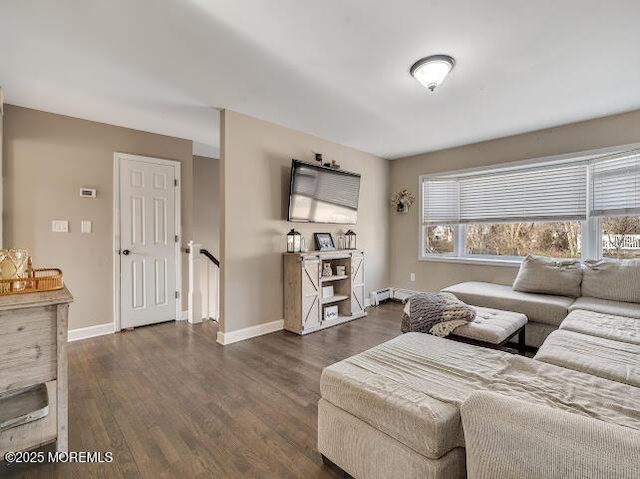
[401, 409]
[609, 287]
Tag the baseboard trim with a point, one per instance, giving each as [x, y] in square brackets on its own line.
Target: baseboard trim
[367, 302]
[185, 316]
[90, 332]
[250, 332]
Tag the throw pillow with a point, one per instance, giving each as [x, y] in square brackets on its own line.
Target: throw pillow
[435, 313]
[538, 274]
[613, 279]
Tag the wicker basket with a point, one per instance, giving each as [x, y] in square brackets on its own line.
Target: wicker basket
[46, 279]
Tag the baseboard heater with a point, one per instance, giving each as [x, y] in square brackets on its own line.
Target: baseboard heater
[386, 294]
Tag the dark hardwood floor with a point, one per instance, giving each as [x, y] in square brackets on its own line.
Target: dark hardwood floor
[170, 402]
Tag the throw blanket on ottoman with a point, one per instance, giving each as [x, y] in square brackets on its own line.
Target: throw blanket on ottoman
[435, 313]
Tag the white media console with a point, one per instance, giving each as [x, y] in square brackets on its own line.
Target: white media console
[304, 302]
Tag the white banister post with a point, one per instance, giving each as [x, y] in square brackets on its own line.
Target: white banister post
[195, 276]
[216, 294]
[205, 286]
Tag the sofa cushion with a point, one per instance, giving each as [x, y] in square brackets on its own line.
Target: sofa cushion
[617, 280]
[538, 274]
[606, 306]
[541, 308]
[491, 325]
[608, 326]
[507, 438]
[411, 388]
[601, 357]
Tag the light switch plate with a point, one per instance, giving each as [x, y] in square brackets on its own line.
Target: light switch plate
[60, 226]
[88, 192]
[86, 226]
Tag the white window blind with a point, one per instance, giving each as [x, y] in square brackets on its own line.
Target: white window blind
[541, 193]
[440, 201]
[616, 185]
[545, 193]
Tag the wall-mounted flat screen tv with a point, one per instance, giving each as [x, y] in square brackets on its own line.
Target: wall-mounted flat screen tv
[319, 194]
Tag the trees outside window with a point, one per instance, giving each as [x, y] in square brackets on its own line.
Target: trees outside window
[621, 237]
[559, 239]
[439, 239]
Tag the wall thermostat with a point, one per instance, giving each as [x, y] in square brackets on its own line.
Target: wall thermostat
[88, 192]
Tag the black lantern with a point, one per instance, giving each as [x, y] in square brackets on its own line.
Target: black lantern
[294, 241]
[350, 240]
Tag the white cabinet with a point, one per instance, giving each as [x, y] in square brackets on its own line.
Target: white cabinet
[304, 283]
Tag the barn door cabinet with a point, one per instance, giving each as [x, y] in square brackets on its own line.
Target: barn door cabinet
[304, 301]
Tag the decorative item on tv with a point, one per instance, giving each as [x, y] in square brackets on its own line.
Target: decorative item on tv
[294, 241]
[350, 239]
[402, 201]
[324, 241]
[326, 270]
[332, 164]
[341, 242]
[323, 194]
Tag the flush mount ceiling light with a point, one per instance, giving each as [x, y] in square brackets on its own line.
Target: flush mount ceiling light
[431, 71]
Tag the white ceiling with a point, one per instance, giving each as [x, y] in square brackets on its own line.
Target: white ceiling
[334, 68]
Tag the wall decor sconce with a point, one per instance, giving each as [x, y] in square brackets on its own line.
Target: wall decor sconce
[402, 200]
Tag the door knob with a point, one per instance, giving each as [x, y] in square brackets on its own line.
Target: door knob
[126, 252]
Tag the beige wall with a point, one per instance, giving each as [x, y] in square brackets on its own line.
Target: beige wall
[206, 201]
[256, 160]
[1, 163]
[593, 134]
[47, 158]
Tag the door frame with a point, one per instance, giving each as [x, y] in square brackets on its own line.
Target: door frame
[117, 159]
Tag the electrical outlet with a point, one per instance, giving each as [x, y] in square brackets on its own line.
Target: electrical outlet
[412, 277]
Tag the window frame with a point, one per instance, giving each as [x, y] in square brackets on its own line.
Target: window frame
[591, 228]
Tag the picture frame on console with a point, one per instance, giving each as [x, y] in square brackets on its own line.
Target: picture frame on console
[324, 241]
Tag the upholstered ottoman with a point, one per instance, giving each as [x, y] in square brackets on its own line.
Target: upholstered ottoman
[493, 328]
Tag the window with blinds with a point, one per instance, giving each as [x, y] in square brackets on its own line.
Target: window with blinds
[587, 205]
[550, 193]
[615, 185]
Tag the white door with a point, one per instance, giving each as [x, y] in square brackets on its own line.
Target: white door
[148, 239]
